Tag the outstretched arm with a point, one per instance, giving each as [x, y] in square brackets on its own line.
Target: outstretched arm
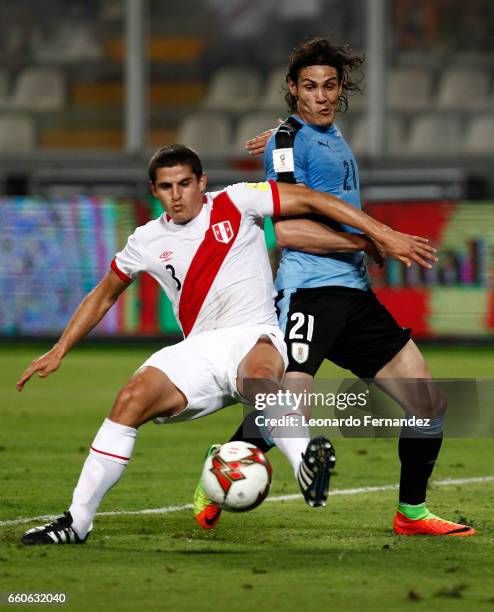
[299, 200]
[87, 315]
[318, 239]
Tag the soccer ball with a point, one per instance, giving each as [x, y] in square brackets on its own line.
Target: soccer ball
[237, 476]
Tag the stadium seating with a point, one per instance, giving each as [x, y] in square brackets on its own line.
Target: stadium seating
[234, 89]
[17, 134]
[103, 94]
[251, 125]
[359, 139]
[39, 89]
[71, 43]
[432, 134]
[463, 89]
[457, 83]
[480, 136]
[163, 49]
[358, 102]
[275, 91]
[4, 87]
[409, 89]
[472, 59]
[419, 57]
[208, 134]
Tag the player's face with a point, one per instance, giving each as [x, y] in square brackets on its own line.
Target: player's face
[179, 192]
[317, 90]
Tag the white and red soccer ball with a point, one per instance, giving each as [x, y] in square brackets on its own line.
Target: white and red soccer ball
[237, 476]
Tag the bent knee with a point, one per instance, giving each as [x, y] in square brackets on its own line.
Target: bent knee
[440, 403]
[437, 403]
[130, 406]
[264, 371]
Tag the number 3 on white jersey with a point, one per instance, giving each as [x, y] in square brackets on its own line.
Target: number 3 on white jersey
[299, 319]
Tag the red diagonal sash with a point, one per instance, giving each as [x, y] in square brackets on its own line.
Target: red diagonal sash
[207, 261]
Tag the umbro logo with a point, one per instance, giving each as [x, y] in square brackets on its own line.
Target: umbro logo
[166, 256]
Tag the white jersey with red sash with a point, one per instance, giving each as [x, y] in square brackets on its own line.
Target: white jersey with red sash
[215, 268]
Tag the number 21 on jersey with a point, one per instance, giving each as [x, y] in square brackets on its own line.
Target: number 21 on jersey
[298, 320]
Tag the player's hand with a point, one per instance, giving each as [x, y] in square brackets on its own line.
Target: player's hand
[257, 145]
[375, 252]
[43, 366]
[406, 248]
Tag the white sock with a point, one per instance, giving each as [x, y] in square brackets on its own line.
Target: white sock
[291, 436]
[108, 457]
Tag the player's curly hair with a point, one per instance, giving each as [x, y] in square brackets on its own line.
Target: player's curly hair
[174, 155]
[321, 52]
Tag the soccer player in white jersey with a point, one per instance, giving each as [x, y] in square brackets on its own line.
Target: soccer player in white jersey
[207, 252]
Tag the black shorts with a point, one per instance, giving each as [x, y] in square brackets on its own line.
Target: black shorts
[350, 327]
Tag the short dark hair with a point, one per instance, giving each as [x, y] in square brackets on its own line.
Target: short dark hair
[174, 155]
[321, 52]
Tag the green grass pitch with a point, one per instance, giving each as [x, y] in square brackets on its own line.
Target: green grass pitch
[283, 554]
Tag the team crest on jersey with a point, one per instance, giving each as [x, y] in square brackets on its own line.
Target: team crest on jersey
[300, 351]
[223, 231]
[283, 160]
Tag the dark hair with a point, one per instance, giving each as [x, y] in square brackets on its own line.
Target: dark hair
[320, 52]
[174, 155]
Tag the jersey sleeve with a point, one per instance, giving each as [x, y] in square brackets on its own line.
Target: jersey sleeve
[257, 199]
[128, 262]
[285, 153]
[268, 160]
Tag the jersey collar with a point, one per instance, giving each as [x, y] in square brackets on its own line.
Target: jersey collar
[323, 130]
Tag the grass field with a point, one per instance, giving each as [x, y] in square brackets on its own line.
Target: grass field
[283, 554]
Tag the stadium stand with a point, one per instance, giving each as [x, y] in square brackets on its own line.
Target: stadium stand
[480, 136]
[472, 59]
[490, 102]
[432, 134]
[39, 89]
[250, 125]
[396, 136]
[234, 88]
[17, 134]
[208, 134]
[4, 87]
[71, 43]
[166, 49]
[409, 89]
[357, 103]
[275, 90]
[110, 93]
[418, 58]
[80, 103]
[463, 89]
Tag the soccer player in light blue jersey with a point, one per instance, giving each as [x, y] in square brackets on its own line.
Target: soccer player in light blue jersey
[326, 306]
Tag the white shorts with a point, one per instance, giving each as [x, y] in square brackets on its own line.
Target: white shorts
[204, 366]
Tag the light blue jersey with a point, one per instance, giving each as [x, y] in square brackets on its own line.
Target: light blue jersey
[323, 161]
